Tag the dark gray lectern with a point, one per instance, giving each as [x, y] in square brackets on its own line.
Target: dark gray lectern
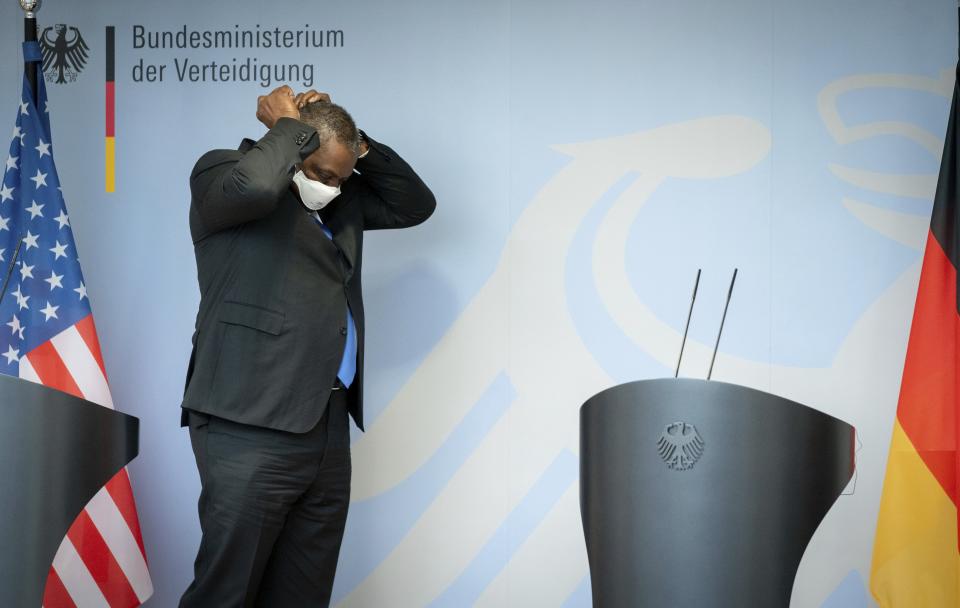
[703, 494]
[56, 452]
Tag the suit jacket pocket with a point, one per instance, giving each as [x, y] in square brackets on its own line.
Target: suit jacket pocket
[254, 317]
[251, 376]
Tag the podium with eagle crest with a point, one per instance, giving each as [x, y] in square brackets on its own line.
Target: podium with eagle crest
[703, 493]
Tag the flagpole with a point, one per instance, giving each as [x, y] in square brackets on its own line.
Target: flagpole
[30, 8]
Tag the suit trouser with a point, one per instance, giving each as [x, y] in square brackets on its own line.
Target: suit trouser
[273, 506]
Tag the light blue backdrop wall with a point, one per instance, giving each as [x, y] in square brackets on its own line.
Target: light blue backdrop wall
[587, 158]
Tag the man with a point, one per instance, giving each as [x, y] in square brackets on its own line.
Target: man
[277, 362]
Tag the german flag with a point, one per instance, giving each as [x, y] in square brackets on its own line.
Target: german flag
[109, 150]
[916, 554]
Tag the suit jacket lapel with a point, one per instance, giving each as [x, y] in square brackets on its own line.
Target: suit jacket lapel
[345, 240]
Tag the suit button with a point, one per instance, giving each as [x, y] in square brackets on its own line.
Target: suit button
[301, 138]
[343, 331]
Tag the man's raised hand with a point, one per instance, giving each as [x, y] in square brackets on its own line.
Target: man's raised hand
[280, 103]
[309, 97]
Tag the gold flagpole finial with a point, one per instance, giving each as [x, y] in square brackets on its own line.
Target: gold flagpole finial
[30, 7]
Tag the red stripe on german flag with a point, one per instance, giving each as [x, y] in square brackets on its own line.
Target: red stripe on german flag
[927, 410]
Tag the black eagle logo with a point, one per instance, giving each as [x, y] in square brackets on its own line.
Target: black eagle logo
[63, 56]
[680, 446]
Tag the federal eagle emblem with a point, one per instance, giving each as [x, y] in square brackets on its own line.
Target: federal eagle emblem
[64, 53]
[680, 446]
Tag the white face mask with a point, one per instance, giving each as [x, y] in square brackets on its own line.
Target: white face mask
[315, 195]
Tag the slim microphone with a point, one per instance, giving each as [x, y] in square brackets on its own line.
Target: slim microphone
[13, 262]
[722, 321]
[693, 299]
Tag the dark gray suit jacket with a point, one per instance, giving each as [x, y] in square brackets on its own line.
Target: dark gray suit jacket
[274, 290]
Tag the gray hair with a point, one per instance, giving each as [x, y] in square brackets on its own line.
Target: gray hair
[332, 122]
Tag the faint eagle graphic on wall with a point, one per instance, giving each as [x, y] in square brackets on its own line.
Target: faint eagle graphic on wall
[64, 55]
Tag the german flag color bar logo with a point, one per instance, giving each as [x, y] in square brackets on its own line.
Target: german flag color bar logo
[916, 560]
[109, 177]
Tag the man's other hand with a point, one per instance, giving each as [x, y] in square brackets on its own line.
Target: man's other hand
[280, 103]
[309, 97]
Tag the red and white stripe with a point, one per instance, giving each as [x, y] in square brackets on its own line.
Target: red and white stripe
[101, 562]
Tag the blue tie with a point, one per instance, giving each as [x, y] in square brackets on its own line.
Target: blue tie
[348, 364]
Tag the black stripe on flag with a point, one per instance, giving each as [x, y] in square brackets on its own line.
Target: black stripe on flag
[944, 221]
[110, 53]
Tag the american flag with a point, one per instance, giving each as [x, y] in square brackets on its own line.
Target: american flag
[47, 336]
